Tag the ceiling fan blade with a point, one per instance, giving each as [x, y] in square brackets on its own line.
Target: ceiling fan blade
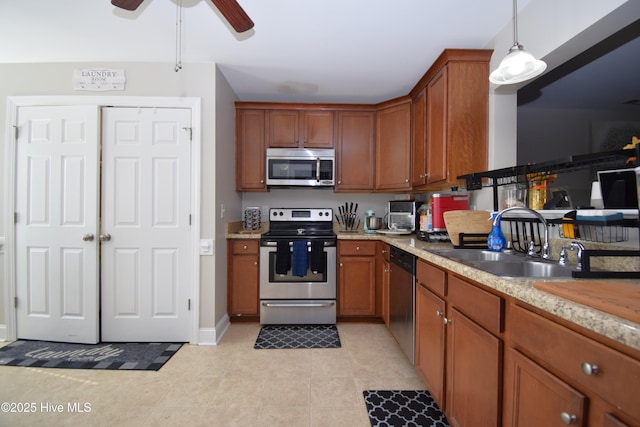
[234, 13]
[127, 4]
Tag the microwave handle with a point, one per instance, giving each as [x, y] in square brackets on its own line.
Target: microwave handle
[318, 169]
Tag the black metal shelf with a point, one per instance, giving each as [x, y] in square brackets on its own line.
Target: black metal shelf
[518, 174]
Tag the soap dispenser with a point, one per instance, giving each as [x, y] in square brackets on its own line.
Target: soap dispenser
[496, 241]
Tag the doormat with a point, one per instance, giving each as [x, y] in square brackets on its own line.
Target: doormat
[403, 408]
[297, 336]
[123, 356]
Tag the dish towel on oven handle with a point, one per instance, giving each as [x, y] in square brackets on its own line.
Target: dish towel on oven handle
[283, 257]
[316, 258]
[300, 258]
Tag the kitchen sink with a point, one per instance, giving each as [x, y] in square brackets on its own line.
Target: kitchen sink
[506, 264]
[477, 255]
[524, 268]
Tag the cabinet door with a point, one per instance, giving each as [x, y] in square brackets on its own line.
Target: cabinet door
[356, 286]
[437, 127]
[473, 373]
[430, 341]
[317, 129]
[355, 151]
[393, 148]
[250, 150]
[284, 126]
[243, 295]
[419, 139]
[534, 397]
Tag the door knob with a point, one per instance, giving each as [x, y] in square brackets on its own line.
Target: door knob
[105, 237]
[88, 237]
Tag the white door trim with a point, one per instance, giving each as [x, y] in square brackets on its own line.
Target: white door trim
[14, 102]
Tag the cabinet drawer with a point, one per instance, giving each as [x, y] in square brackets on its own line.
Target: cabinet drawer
[616, 377]
[357, 247]
[245, 247]
[479, 305]
[431, 277]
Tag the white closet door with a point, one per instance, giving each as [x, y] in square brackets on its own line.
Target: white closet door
[57, 191]
[145, 224]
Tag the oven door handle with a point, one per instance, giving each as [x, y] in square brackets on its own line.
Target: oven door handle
[318, 169]
[305, 305]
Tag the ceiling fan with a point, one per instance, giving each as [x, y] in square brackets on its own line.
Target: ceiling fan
[230, 9]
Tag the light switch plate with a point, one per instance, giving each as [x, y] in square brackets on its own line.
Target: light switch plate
[206, 247]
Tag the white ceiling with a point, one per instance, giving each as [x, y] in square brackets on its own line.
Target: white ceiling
[361, 51]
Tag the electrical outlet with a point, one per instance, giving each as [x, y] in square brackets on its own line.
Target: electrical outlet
[222, 210]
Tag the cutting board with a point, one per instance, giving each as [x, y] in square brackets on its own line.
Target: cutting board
[617, 298]
[475, 222]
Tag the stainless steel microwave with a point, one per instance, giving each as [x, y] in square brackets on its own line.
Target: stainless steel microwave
[300, 167]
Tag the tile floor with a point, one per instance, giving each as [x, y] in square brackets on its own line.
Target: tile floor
[226, 385]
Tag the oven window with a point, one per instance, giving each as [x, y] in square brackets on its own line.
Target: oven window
[290, 278]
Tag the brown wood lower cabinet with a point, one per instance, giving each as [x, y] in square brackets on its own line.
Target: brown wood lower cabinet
[538, 398]
[606, 377]
[357, 278]
[430, 341]
[459, 360]
[243, 279]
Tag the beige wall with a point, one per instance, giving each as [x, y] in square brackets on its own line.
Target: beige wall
[145, 79]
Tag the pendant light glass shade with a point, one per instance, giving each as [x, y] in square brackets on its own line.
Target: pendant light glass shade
[519, 65]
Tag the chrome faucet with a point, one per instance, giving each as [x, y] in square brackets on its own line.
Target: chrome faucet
[562, 260]
[545, 246]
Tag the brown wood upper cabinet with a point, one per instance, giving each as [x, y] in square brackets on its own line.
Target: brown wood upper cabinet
[250, 150]
[293, 128]
[393, 146]
[450, 115]
[355, 151]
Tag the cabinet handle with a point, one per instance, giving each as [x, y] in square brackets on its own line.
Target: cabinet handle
[439, 313]
[339, 182]
[341, 264]
[255, 262]
[568, 418]
[262, 181]
[589, 369]
[384, 251]
[244, 248]
[357, 248]
[447, 321]
[406, 180]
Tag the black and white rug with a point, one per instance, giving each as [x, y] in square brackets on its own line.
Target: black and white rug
[297, 336]
[403, 409]
[125, 356]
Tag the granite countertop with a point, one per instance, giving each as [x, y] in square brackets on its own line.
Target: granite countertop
[616, 328]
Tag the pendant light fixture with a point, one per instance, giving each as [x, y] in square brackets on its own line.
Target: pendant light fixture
[519, 65]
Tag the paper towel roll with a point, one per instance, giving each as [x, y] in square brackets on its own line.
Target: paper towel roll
[596, 195]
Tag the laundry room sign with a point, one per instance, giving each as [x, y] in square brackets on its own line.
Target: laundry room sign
[99, 79]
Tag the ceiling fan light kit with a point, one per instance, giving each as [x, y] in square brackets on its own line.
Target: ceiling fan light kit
[519, 65]
[230, 9]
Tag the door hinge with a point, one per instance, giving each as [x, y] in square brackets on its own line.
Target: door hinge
[15, 302]
[189, 219]
[190, 132]
[15, 131]
[189, 304]
[15, 217]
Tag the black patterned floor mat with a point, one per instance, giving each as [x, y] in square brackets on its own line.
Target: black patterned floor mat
[297, 336]
[120, 356]
[403, 409]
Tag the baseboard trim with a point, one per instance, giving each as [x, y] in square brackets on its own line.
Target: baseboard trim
[212, 336]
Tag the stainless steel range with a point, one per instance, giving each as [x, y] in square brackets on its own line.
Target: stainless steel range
[298, 267]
